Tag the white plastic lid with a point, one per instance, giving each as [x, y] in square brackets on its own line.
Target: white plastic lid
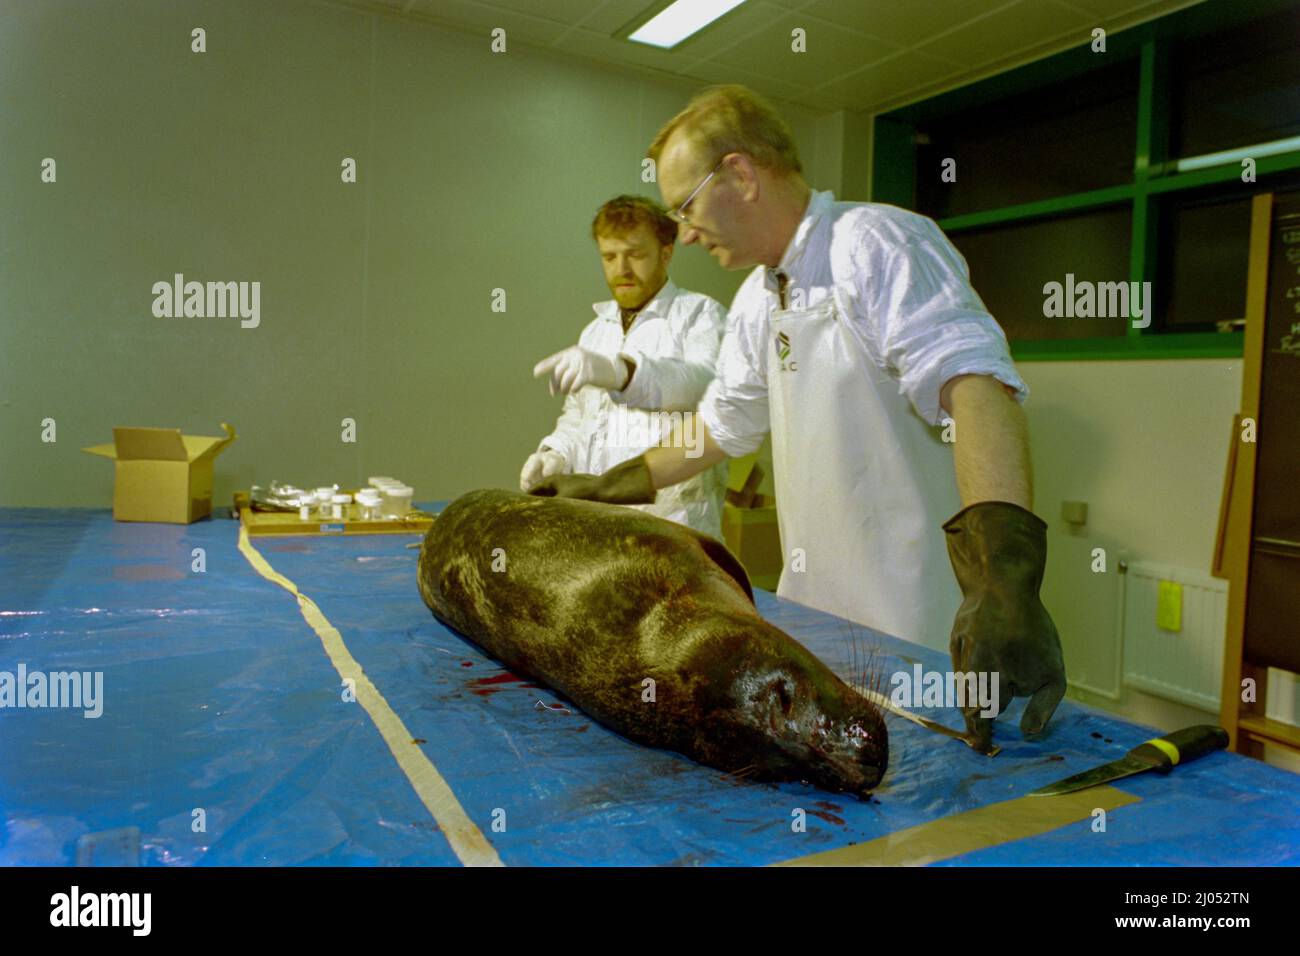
[383, 478]
[342, 499]
[402, 491]
[370, 495]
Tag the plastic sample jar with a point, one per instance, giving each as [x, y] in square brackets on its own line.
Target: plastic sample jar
[340, 509]
[324, 497]
[368, 503]
[397, 500]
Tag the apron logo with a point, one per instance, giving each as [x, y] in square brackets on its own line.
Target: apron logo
[783, 353]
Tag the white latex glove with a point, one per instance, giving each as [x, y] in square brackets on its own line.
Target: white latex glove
[575, 367]
[539, 467]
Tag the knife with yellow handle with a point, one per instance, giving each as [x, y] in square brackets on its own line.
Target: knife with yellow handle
[1160, 754]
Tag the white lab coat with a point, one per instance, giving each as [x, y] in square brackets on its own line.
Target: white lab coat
[880, 314]
[674, 342]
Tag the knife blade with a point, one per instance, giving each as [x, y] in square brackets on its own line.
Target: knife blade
[1160, 754]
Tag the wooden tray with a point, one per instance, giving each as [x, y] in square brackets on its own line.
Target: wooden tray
[288, 522]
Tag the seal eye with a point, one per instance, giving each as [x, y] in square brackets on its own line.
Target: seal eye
[783, 696]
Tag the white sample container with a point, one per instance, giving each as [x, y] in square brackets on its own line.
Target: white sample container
[339, 505]
[397, 500]
[368, 503]
[324, 499]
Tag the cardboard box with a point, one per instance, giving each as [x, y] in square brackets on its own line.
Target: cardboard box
[752, 536]
[162, 475]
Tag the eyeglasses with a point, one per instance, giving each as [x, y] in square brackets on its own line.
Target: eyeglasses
[679, 214]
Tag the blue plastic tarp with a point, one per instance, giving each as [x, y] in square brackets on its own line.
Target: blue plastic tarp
[226, 739]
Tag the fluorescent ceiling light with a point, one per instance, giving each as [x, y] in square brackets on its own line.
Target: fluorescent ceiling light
[680, 20]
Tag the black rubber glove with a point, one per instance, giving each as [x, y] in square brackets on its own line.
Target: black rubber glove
[625, 484]
[998, 551]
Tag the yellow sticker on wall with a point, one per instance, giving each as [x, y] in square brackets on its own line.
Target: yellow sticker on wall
[1169, 606]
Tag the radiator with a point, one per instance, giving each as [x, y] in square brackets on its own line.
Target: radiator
[1186, 664]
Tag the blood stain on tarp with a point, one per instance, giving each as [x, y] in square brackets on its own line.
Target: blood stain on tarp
[1053, 758]
[418, 740]
[834, 808]
[486, 686]
[583, 727]
[466, 663]
[1096, 736]
[828, 817]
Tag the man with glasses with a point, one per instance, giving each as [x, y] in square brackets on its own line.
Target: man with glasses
[858, 341]
[650, 350]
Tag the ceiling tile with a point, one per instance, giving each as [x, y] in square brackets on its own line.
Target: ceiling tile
[739, 23]
[620, 52]
[1000, 35]
[902, 22]
[615, 14]
[766, 84]
[561, 11]
[1115, 8]
[477, 16]
[831, 51]
[892, 78]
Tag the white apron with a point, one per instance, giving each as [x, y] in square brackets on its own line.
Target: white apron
[863, 484]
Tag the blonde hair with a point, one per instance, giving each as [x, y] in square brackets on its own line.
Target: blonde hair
[733, 119]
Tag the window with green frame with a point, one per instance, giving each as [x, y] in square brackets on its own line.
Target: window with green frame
[1106, 168]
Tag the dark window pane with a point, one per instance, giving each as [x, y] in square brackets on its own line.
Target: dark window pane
[1203, 278]
[1237, 88]
[1072, 136]
[1010, 265]
[1204, 250]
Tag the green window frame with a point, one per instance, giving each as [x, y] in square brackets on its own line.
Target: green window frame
[1154, 173]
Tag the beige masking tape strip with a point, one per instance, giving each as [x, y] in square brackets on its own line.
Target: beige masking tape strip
[973, 830]
[466, 839]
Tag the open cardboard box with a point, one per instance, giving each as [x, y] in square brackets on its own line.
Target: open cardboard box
[749, 525]
[162, 475]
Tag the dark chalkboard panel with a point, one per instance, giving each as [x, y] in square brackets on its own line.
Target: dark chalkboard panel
[1272, 634]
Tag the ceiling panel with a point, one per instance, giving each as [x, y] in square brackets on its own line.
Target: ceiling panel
[713, 73]
[613, 14]
[480, 17]
[902, 22]
[892, 78]
[602, 47]
[862, 54]
[1002, 33]
[830, 51]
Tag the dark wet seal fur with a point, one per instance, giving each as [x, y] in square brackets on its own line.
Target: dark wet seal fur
[596, 598]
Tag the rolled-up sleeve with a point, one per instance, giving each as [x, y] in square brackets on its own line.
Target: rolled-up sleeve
[931, 325]
[734, 407]
[673, 383]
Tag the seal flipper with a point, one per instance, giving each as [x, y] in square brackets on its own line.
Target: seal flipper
[723, 558]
